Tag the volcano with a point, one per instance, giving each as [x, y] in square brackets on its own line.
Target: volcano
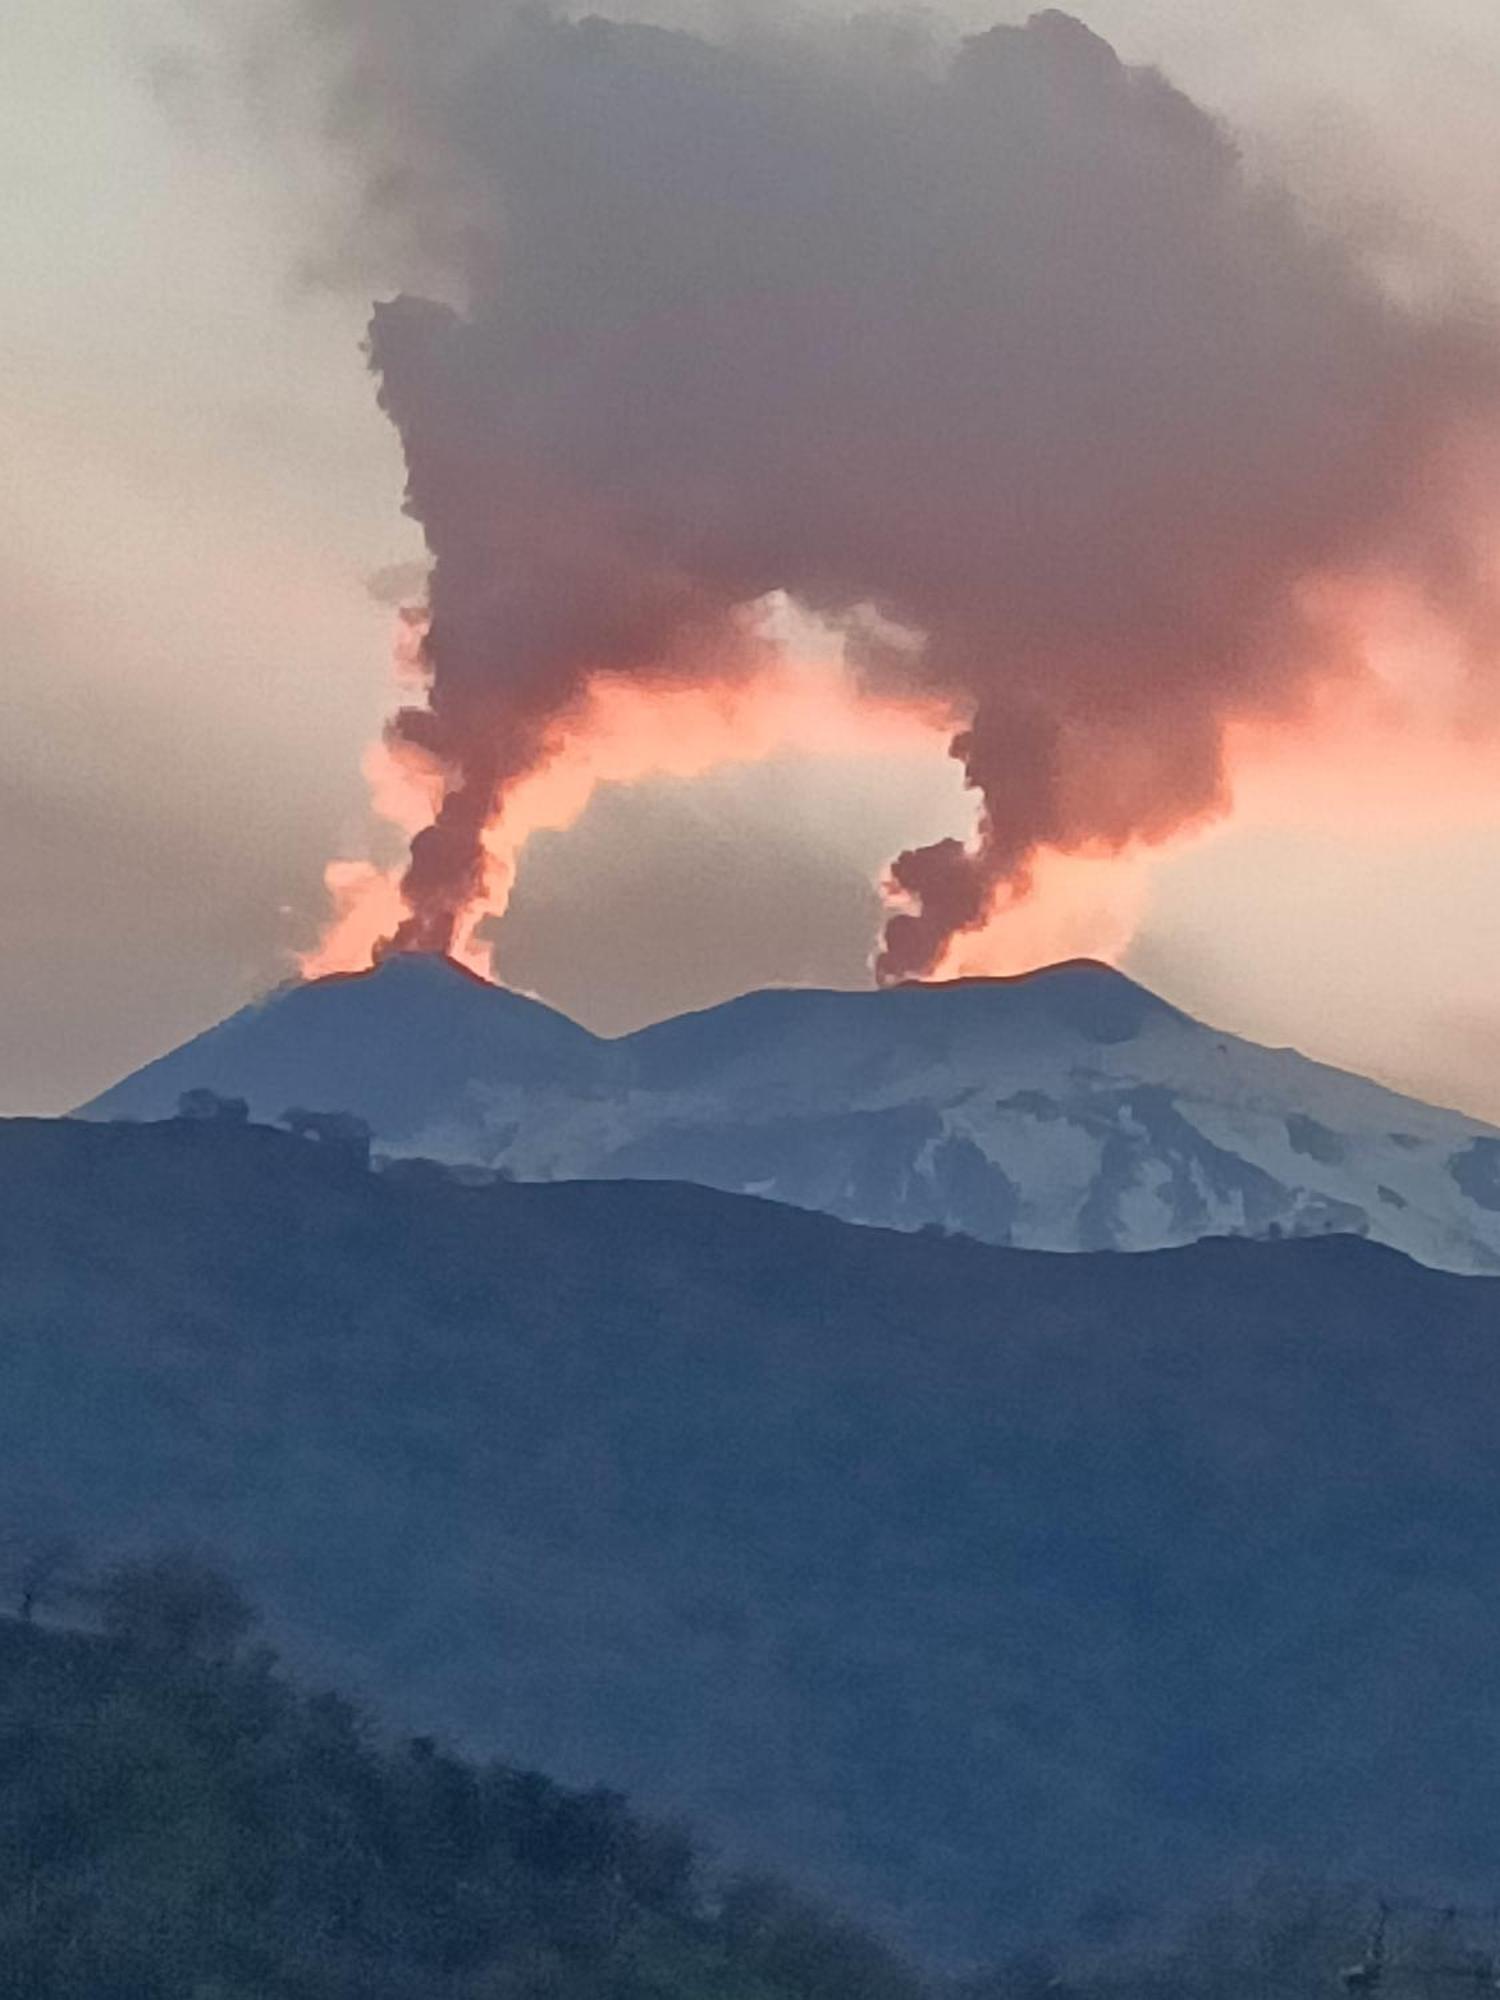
[1065, 1109]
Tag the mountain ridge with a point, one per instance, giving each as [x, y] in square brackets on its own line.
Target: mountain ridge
[1068, 1108]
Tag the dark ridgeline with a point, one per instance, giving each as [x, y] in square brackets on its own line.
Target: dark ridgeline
[999, 1597]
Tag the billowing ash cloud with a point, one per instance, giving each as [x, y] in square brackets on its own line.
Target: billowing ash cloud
[999, 340]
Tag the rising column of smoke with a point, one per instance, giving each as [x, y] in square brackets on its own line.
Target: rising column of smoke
[998, 340]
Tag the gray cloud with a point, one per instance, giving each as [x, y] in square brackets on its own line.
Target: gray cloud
[688, 892]
[999, 339]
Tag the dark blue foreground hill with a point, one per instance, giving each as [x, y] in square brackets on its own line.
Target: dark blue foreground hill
[980, 1588]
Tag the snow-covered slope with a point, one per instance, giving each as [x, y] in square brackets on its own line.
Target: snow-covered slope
[1069, 1109]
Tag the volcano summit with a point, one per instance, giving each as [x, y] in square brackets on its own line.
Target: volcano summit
[1067, 1109]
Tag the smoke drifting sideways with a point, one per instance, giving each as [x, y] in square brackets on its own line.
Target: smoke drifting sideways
[994, 344]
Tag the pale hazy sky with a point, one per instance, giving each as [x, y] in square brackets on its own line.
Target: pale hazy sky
[198, 484]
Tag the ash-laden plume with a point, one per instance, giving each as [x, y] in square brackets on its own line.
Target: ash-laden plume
[999, 341]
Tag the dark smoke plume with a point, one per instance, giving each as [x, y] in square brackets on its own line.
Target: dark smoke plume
[998, 340]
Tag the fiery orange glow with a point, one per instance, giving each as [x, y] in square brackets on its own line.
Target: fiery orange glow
[1362, 765]
[367, 907]
[622, 733]
[1398, 743]
[1084, 905]
[366, 899]
[1402, 742]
